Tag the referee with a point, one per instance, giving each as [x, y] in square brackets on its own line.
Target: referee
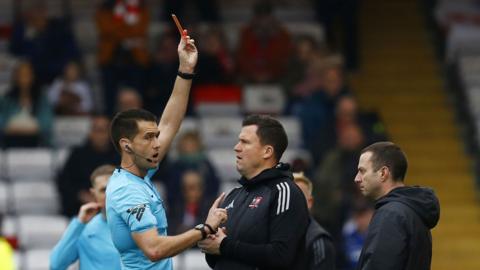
[135, 210]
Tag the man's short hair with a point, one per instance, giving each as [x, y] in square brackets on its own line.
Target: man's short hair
[270, 132]
[300, 177]
[124, 124]
[100, 171]
[390, 155]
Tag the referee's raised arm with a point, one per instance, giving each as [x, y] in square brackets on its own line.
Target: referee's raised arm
[177, 104]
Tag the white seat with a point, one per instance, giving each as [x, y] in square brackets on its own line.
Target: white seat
[216, 109]
[3, 197]
[293, 153]
[36, 259]
[293, 129]
[218, 132]
[70, 131]
[224, 161]
[35, 198]
[10, 226]
[29, 164]
[40, 231]
[263, 99]
[60, 157]
[190, 260]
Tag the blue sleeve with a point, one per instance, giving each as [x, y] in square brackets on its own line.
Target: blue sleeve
[65, 251]
[133, 206]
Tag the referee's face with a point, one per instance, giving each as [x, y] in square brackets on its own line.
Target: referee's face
[146, 146]
[249, 152]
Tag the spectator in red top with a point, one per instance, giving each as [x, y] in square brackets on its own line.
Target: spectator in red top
[265, 46]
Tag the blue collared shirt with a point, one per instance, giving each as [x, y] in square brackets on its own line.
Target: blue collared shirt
[134, 206]
[90, 243]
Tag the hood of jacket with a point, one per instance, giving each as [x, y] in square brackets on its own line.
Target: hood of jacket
[422, 200]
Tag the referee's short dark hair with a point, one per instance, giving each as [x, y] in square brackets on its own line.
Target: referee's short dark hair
[270, 132]
[390, 155]
[124, 125]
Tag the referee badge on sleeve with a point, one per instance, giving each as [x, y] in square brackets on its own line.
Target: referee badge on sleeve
[137, 211]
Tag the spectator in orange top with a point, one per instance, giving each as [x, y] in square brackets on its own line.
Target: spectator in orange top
[122, 47]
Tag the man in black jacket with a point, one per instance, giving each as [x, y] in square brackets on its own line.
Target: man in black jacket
[320, 251]
[268, 215]
[399, 234]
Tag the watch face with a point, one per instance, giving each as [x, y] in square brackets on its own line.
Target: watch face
[199, 226]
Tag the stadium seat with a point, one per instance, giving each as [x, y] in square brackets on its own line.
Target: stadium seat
[224, 162]
[218, 132]
[263, 99]
[34, 198]
[36, 259]
[71, 131]
[195, 260]
[3, 197]
[40, 231]
[293, 129]
[31, 164]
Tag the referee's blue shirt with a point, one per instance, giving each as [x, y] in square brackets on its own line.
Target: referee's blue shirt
[90, 243]
[134, 206]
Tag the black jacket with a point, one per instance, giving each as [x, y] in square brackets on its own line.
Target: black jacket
[399, 234]
[319, 246]
[267, 222]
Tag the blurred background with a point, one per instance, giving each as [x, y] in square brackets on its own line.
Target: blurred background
[339, 74]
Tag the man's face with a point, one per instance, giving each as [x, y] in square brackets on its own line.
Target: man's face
[99, 132]
[249, 152]
[98, 189]
[192, 187]
[146, 145]
[367, 179]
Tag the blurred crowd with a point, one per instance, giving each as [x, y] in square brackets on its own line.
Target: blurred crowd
[50, 81]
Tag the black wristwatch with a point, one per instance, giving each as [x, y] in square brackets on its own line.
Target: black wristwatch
[201, 228]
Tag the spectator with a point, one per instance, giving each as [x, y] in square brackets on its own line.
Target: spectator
[193, 206]
[25, 114]
[73, 180]
[70, 94]
[355, 230]
[264, 48]
[301, 66]
[215, 65]
[316, 110]
[49, 44]
[162, 72]
[333, 187]
[191, 157]
[122, 48]
[347, 113]
[127, 99]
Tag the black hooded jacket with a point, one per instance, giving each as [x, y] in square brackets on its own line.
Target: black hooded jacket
[399, 233]
[266, 226]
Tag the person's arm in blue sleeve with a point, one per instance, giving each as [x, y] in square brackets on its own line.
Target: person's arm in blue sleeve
[65, 251]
